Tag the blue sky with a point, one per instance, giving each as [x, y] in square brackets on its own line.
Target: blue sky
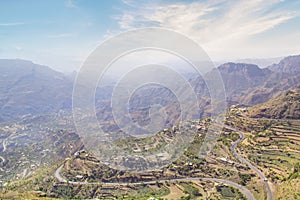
[62, 33]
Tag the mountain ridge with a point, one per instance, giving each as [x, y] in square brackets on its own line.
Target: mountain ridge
[28, 88]
[290, 64]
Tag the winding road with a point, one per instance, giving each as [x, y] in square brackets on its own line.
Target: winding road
[4, 145]
[242, 189]
[3, 149]
[3, 159]
[241, 159]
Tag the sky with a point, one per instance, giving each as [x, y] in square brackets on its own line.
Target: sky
[62, 33]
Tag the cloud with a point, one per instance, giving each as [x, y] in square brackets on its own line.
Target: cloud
[70, 4]
[12, 24]
[213, 23]
[128, 2]
[19, 48]
[62, 35]
[211, 19]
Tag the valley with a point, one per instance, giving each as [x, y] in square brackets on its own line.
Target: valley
[149, 100]
[256, 154]
[238, 161]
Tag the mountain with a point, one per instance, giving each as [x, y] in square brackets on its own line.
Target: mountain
[287, 106]
[29, 89]
[245, 84]
[250, 85]
[33, 149]
[271, 89]
[238, 77]
[261, 62]
[290, 65]
[285, 75]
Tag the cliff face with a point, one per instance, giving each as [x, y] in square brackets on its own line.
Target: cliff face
[238, 77]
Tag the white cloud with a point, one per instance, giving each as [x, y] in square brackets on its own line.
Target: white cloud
[19, 48]
[70, 4]
[213, 24]
[12, 24]
[62, 35]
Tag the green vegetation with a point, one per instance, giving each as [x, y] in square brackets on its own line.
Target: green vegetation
[244, 178]
[144, 193]
[295, 173]
[230, 193]
[191, 191]
[271, 145]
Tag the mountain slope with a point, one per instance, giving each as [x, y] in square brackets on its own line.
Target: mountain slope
[238, 77]
[250, 85]
[28, 88]
[290, 65]
[287, 106]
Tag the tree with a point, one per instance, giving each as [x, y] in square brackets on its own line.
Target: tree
[297, 167]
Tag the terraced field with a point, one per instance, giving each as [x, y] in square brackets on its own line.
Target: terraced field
[270, 145]
[274, 146]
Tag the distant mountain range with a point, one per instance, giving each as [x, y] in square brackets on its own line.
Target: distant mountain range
[30, 89]
[261, 62]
